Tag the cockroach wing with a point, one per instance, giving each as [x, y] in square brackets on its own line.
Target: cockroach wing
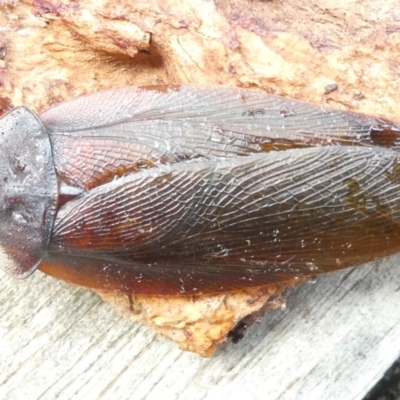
[217, 225]
[108, 134]
[28, 192]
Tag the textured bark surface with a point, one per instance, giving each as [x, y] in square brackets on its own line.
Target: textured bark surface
[199, 324]
[55, 50]
[342, 53]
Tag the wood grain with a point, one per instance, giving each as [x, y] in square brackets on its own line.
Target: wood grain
[335, 340]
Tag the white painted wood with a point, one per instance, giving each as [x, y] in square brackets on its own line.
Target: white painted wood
[334, 341]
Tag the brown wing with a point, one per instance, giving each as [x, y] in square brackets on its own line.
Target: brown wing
[108, 134]
[220, 225]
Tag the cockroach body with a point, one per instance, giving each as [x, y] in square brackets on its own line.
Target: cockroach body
[178, 189]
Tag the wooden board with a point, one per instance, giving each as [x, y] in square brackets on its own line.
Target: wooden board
[334, 341]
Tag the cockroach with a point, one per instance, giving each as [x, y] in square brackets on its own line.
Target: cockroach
[179, 189]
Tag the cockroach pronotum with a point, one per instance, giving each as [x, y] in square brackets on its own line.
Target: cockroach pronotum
[180, 189]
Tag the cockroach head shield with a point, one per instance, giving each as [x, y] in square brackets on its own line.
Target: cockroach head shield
[28, 192]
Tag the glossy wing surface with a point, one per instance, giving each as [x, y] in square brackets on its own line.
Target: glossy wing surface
[224, 224]
[108, 134]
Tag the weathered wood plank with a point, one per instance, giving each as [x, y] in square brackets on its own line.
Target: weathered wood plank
[335, 340]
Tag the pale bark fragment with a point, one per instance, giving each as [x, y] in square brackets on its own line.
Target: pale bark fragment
[200, 323]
